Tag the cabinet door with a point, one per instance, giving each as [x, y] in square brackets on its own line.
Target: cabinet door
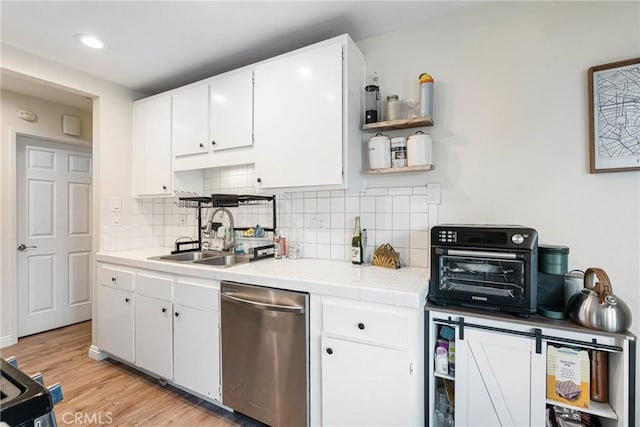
[500, 380]
[196, 350]
[190, 115]
[365, 385]
[115, 322]
[152, 147]
[154, 335]
[231, 110]
[298, 119]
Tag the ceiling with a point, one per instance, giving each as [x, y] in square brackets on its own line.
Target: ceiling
[153, 46]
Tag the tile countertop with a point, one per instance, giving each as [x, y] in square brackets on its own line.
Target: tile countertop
[405, 287]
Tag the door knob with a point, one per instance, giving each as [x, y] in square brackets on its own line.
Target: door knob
[22, 247]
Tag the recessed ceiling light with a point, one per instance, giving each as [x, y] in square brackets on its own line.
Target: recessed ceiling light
[90, 41]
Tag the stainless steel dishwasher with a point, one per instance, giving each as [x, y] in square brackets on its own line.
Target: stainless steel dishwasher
[265, 353]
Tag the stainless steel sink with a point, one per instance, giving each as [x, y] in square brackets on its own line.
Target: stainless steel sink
[213, 258]
[188, 256]
[225, 260]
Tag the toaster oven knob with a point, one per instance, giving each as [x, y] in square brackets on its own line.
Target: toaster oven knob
[517, 239]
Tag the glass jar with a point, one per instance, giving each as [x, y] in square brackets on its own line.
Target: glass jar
[393, 110]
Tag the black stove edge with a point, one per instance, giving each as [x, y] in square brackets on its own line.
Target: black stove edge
[34, 401]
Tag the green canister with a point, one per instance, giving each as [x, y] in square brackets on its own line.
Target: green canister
[553, 259]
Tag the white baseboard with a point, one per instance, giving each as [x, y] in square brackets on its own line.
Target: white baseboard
[96, 354]
[7, 341]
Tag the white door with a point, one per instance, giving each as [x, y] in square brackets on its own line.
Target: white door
[196, 350]
[190, 120]
[500, 380]
[115, 322]
[365, 385]
[152, 146]
[54, 224]
[298, 119]
[231, 110]
[154, 335]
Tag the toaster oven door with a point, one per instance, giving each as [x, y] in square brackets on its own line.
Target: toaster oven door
[495, 275]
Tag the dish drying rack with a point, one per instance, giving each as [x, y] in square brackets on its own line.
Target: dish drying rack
[187, 199]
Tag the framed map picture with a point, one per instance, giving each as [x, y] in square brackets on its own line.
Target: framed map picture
[614, 116]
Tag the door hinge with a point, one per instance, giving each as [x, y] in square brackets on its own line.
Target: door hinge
[343, 172]
[411, 368]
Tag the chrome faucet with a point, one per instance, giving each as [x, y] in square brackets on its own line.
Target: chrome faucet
[226, 245]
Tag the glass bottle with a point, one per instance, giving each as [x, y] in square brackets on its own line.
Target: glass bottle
[356, 244]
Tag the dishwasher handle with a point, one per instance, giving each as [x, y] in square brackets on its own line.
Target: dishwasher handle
[261, 305]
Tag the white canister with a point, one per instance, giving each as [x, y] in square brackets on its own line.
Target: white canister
[379, 152]
[419, 149]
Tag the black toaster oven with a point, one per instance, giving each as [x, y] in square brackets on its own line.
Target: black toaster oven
[491, 267]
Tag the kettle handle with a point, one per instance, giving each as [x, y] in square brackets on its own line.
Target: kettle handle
[602, 284]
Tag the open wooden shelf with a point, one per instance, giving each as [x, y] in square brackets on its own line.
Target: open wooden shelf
[397, 170]
[399, 124]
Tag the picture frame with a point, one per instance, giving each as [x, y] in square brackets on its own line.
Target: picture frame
[614, 116]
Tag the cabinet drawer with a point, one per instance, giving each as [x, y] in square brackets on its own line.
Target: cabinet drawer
[379, 325]
[197, 295]
[115, 277]
[154, 285]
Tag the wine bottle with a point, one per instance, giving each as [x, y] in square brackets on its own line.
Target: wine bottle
[356, 244]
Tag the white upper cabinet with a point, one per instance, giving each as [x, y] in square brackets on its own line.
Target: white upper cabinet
[297, 117]
[307, 117]
[213, 122]
[231, 110]
[152, 175]
[190, 131]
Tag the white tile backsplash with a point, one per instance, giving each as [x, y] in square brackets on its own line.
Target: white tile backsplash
[321, 222]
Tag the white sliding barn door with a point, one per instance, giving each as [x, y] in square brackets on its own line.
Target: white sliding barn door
[54, 234]
[500, 380]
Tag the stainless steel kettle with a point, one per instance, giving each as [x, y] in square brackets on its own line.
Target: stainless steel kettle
[596, 306]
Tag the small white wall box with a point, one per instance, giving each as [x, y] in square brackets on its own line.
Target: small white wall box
[71, 125]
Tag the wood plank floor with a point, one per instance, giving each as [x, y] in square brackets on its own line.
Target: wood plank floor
[108, 392]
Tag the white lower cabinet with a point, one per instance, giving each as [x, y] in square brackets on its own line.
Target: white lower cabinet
[197, 350]
[173, 329]
[364, 384]
[196, 336]
[115, 322]
[154, 335]
[370, 370]
[115, 301]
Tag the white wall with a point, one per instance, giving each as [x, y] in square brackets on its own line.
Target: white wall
[112, 133]
[49, 116]
[511, 141]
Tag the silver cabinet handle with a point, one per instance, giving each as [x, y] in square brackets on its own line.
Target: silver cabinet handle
[22, 247]
[262, 305]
